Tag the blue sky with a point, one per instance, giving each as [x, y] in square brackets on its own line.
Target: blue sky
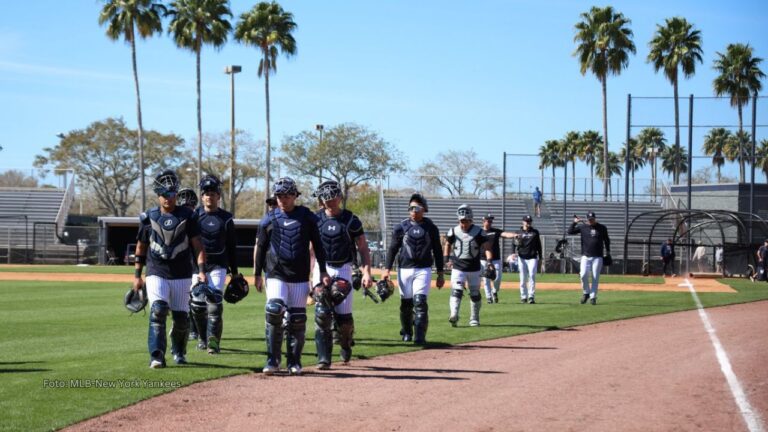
[428, 76]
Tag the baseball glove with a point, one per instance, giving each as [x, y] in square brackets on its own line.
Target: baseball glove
[136, 301]
[607, 260]
[340, 289]
[357, 279]
[384, 289]
[489, 272]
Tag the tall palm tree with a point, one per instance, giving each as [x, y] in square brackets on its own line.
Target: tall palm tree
[636, 159]
[604, 42]
[570, 147]
[269, 28]
[195, 23]
[549, 156]
[670, 157]
[761, 157]
[126, 18]
[675, 47]
[738, 148]
[651, 142]
[739, 78]
[591, 146]
[715, 143]
[615, 167]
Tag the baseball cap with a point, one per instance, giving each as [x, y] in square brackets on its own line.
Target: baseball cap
[527, 218]
[591, 215]
[488, 217]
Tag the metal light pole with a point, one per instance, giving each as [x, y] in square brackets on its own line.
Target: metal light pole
[231, 71]
[320, 129]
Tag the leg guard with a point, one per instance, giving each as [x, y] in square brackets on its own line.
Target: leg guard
[474, 315]
[215, 326]
[275, 309]
[406, 319]
[199, 313]
[421, 322]
[455, 305]
[156, 341]
[323, 333]
[346, 332]
[297, 328]
[192, 325]
[179, 332]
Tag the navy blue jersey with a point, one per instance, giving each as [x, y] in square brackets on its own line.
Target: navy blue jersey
[593, 238]
[417, 243]
[494, 235]
[217, 233]
[528, 243]
[338, 234]
[167, 236]
[466, 247]
[667, 251]
[283, 244]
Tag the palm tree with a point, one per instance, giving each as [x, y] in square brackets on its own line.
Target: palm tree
[604, 42]
[675, 46]
[715, 143]
[761, 157]
[269, 28]
[670, 157]
[549, 156]
[570, 148]
[591, 145]
[124, 18]
[739, 78]
[651, 143]
[196, 23]
[738, 148]
[636, 159]
[614, 168]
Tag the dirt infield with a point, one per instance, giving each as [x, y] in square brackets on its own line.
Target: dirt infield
[646, 374]
[670, 284]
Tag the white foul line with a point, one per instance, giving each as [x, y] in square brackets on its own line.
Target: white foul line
[750, 416]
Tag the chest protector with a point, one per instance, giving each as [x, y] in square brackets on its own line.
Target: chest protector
[334, 233]
[417, 244]
[465, 247]
[286, 241]
[169, 235]
[213, 231]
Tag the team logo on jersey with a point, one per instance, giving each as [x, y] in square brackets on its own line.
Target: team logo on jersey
[211, 223]
[168, 222]
[416, 231]
[289, 223]
[593, 232]
[331, 227]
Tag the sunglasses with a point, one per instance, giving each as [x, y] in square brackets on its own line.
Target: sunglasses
[415, 208]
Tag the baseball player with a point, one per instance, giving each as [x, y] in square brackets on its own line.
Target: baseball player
[165, 236]
[594, 237]
[528, 256]
[283, 249]
[341, 233]
[217, 231]
[493, 236]
[417, 240]
[464, 245]
[188, 198]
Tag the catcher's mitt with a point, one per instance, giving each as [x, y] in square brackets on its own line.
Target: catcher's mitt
[237, 289]
[136, 301]
[340, 289]
[384, 289]
[607, 260]
[489, 272]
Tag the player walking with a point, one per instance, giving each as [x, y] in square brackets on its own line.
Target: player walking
[417, 240]
[342, 235]
[283, 250]
[188, 198]
[493, 236]
[528, 256]
[594, 236]
[467, 243]
[165, 236]
[217, 231]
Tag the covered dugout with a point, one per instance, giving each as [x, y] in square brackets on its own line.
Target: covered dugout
[117, 240]
[739, 234]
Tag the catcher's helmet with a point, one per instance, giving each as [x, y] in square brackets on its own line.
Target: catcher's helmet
[327, 190]
[357, 278]
[209, 183]
[489, 272]
[340, 289]
[166, 183]
[419, 198]
[285, 186]
[384, 289]
[136, 301]
[464, 212]
[187, 197]
[236, 290]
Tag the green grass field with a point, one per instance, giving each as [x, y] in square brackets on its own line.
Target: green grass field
[62, 335]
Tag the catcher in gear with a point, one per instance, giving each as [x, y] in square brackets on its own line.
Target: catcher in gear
[167, 236]
[416, 243]
[342, 238]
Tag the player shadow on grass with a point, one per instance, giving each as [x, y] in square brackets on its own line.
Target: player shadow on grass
[215, 366]
[17, 370]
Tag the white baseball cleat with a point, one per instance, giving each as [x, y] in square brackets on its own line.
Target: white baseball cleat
[294, 370]
[156, 364]
[270, 369]
[474, 323]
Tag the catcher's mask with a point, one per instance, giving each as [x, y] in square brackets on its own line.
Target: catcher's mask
[384, 289]
[166, 184]
[285, 186]
[210, 183]
[187, 198]
[357, 279]
[340, 289]
[201, 293]
[464, 212]
[327, 190]
[136, 301]
[237, 289]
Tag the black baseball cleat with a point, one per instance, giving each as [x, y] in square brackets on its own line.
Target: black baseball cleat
[524, 300]
[531, 300]
[584, 298]
[489, 301]
[407, 337]
[495, 297]
[593, 301]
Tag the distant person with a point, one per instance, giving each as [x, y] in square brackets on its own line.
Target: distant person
[594, 237]
[700, 257]
[512, 263]
[719, 259]
[667, 255]
[537, 198]
[762, 259]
